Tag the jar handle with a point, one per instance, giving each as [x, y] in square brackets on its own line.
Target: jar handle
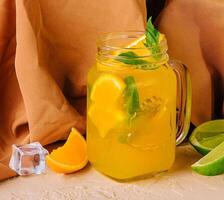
[183, 99]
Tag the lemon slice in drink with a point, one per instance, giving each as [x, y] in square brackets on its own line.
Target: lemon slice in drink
[207, 136]
[107, 89]
[105, 119]
[139, 42]
[212, 164]
[139, 47]
[104, 111]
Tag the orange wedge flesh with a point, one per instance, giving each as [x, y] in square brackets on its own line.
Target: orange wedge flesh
[104, 110]
[71, 157]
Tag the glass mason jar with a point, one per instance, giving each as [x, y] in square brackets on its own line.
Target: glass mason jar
[138, 107]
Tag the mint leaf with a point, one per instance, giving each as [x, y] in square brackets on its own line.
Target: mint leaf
[131, 96]
[132, 106]
[152, 39]
[130, 58]
[152, 34]
[152, 42]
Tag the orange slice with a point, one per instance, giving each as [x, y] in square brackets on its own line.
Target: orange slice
[104, 110]
[107, 89]
[72, 156]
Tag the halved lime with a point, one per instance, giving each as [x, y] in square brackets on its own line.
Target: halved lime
[207, 136]
[212, 164]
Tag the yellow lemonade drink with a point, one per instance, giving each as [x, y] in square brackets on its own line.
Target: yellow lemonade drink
[124, 147]
[131, 108]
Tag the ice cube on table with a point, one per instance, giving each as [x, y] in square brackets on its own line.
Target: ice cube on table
[28, 159]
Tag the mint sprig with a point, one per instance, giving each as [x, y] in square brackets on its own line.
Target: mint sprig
[133, 60]
[130, 58]
[152, 39]
[152, 34]
[151, 42]
[132, 106]
[131, 96]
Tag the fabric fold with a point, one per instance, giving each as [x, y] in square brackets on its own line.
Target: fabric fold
[194, 31]
[46, 49]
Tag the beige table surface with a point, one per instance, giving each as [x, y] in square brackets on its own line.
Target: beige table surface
[177, 184]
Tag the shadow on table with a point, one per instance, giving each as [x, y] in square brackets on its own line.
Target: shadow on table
[185, 157]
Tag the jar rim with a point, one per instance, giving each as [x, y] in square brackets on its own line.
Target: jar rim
[102, 41]
[123, 47]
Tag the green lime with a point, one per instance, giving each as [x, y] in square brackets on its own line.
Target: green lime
[212, 164]
[207, 136]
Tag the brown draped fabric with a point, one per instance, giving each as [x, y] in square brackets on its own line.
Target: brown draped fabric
[194, 29]
[46, 49]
